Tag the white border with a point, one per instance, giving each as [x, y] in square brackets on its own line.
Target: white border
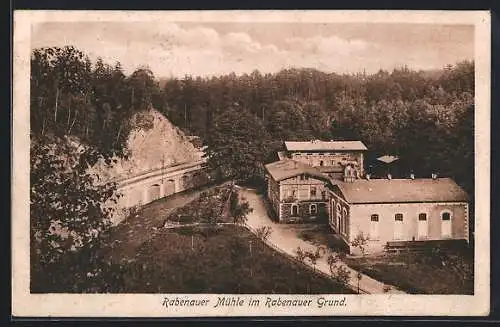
[139, 305]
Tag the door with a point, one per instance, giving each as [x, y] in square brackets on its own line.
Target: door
[295, 210]
[398, 226]
[422, 227]
[446, 224]
[374, 227]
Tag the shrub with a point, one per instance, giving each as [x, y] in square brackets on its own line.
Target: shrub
[264, 232]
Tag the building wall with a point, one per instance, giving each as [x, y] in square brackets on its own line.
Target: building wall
[302, 191]
[303, 211]
[360, 222]
[335, 160]
[339, 219]
[273, 194]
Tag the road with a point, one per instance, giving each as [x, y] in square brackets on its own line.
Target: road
[285, 238]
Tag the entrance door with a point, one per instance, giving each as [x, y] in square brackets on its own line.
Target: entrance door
[374, 227]
[422, 226]
[446, 224]
[398, 226]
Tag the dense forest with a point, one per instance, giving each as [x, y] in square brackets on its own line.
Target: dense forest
[426, 118]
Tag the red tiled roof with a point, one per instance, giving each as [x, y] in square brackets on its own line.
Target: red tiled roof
[402, 190]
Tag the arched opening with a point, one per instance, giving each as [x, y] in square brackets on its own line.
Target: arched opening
[398, 226]
[313, 209]
[374, 227]
[154, 192]
[169, 187]
[446, 224]
[422, 226]
[295, 210]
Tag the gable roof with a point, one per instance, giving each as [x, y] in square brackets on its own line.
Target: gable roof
[286, 168]
[402, 190]
[317, 145]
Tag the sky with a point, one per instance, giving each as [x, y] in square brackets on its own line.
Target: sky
[207, 49]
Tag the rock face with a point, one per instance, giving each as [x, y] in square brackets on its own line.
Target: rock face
[154, 142]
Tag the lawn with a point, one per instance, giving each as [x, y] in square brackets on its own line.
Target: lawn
[203, 259]
[424, 273]
[227, 260]
[415, 273]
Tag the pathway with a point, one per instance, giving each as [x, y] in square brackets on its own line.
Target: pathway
[287, 240]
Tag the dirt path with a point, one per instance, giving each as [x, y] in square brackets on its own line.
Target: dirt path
[285, 238]
[133, 231]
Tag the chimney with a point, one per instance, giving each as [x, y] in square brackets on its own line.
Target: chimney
[412, 176]
[389, 176]
[434, 176]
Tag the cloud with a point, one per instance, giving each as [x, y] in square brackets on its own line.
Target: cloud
[174, 49]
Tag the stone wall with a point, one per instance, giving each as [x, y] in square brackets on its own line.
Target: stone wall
[303, 211]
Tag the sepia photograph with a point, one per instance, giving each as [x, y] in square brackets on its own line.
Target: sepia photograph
[251, 163]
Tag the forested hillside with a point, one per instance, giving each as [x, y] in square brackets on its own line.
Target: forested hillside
[425, 118]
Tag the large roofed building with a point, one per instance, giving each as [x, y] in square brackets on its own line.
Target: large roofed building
[388, 210]
[296, 191]
[337, 159]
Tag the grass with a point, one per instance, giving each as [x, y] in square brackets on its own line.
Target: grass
[204, 259]
[321, 235]
[421, 273]
[416, 273]
[209, 206]
[229, 260]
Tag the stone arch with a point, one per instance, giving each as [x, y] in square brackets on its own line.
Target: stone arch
[169, 187]
[154, 192]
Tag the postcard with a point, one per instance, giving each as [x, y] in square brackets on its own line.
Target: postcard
[251, 163]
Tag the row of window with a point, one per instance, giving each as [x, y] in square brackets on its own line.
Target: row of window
[421, 216]
[313, 192]
[313, 209]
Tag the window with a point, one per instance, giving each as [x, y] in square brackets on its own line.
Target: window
[374, 227]
[313, 209]
[422, 228]
[301, 177]
[344, 221]
[338, 214]
[398, 226]
[313, 190]
[323, 195]
[332, 162]
[295, 210]
[446, 224]
[321, 163]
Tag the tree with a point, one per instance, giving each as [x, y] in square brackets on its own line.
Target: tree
[70, 215]
[360, 242]
[240, 208]
[236, 145]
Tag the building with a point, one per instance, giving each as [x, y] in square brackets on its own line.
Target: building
[336, 159]
[388, 210]
[297, 191]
